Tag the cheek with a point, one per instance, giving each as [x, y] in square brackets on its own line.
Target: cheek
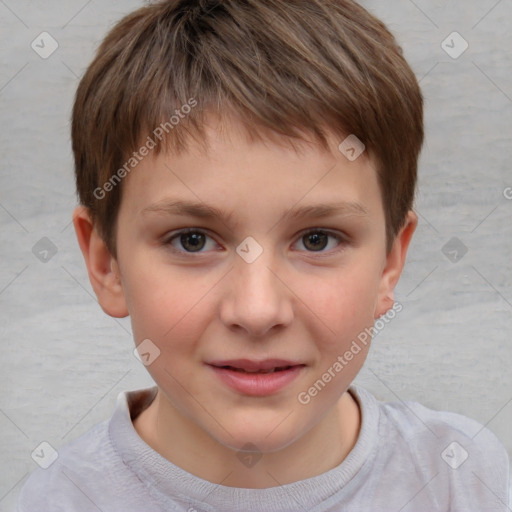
[166, 304]
[342, 303]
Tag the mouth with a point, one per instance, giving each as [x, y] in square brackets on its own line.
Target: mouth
[252, 366]
[257, 378]
[245, 370]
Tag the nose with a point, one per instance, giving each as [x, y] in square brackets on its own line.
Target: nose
[256, 298]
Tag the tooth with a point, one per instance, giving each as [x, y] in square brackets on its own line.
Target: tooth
[270, 370]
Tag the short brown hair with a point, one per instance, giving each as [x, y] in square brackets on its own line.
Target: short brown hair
[281, 67]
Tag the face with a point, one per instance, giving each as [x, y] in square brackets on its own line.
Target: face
[249, 257]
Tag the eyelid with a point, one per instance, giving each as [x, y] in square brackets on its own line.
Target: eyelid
[332, 232]
[170, 237]
[342, 239]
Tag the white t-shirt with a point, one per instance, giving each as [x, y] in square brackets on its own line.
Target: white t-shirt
[407, 458]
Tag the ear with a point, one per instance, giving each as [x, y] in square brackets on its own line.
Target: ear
[101, 265]
[395, 261]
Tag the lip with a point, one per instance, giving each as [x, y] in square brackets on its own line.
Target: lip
[252, 365]
[256, 384]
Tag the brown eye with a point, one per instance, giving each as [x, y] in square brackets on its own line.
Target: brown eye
[321, 241]
[315, 241]
[192, 242]
[189, 241]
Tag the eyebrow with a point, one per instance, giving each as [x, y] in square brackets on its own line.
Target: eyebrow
[205, 211]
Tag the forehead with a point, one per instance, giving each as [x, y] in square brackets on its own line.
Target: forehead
[230, 172]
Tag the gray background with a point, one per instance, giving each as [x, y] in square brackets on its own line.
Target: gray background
[64, 361]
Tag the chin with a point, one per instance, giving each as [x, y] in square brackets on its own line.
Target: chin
[262, 439]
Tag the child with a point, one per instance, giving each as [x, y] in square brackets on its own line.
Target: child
[281, 140]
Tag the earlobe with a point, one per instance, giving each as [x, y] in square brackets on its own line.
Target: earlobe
[102, 267]
[395, 261]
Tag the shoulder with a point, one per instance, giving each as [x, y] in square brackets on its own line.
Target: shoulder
[86, 456]
[96, 469]
[455, 460]
[415, 422]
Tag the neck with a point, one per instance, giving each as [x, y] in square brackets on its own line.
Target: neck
[185, 444]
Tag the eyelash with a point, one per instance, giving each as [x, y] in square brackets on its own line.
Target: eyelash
[342, 240]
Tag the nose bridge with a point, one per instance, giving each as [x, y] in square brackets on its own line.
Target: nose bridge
[257, 300]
